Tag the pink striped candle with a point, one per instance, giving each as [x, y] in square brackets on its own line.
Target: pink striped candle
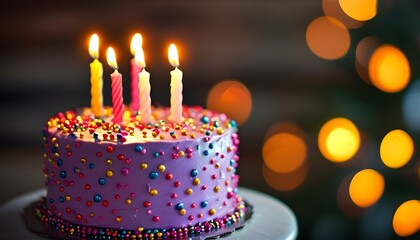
[116, 87]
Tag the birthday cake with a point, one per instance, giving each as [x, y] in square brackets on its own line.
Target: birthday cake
[139, 180]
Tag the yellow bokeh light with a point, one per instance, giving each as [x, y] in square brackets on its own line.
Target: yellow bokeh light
[396, 149]
[389, 69]
[284, 152]
[232, 98]
[333, 9]
[366, 187]
[328, 38]
[361, 10]
[285, 181]
[406, 221]
[340, 143]
[339, 140]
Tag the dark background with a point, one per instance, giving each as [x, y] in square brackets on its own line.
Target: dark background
[44, 69]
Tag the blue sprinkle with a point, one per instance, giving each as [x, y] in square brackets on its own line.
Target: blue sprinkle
[138, 148]
[172, 133]
[51, 200]
[72, 135]
[156, 154]
[233, 123]
[179, 206]
[208, 133]
[76, 169]
[197, 147]
[119, 135]
[153, 175]
[216, 124]
[211, 145]
[59, 162]
[61, 199]
[204, 204]
[95, 135]
[53, 149]
[232, 162]
[91, 166]
[101, 181]
[206, 152]
[205, 119]
[63, 174]
[194, 173]
[97, 198]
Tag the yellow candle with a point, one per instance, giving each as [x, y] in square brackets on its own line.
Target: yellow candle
[96, 71]
[144, 87]
[176, 86]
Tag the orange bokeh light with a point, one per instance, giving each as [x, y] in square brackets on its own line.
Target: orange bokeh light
[332, 8]
[339, 140]
[396, 149]
[328, 38]
[364, 51]
[284, 152]
[389, 69]
[232, 98]
[406, 220]
[285, 181]
[366, 187]
[361, 10]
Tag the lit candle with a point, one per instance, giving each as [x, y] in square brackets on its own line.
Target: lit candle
[96, 81]
[116, 87]
[144, 86]
[176, 86]
[136, 43]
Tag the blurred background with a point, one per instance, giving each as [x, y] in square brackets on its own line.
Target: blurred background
[326, 93]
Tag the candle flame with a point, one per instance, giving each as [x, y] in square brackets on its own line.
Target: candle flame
[112, 61]
[94, 46]
[136, 43]
[139, 58]
[173, 55]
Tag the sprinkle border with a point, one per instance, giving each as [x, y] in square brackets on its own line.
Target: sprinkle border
[75, 231]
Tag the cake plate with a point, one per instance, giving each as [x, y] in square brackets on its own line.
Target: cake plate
[271, 218]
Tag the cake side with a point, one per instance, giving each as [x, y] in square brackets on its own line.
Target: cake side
[157, 175]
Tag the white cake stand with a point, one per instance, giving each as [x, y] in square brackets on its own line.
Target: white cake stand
[271, 219]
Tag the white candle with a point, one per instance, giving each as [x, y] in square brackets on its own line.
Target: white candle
[144, 87]
[176, 86]
[136, 43]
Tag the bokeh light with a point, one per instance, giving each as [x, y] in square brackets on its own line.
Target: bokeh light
[361, 10]
[328, 38]
[339, 140]
[366, 187]
[344, 202]
[333, 9]
[232, 98]
[284, 152]
[364, 51]
[410, 106]
[406, 221]
[389, 69]
[396, 149]
[285, 181]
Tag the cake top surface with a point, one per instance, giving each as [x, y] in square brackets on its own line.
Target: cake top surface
[82, 124]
